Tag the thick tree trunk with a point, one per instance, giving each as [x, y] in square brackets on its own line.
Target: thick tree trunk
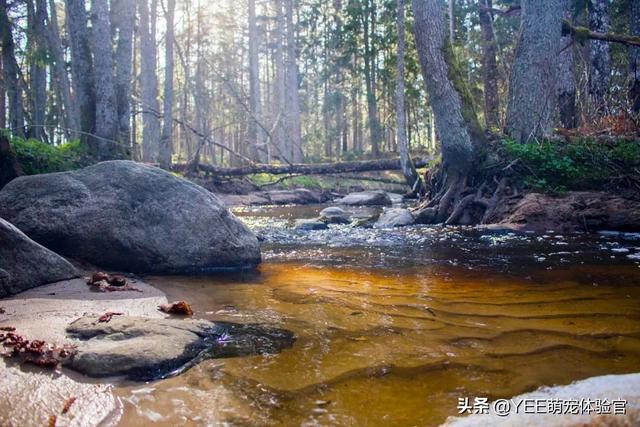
[256, 134]
[38, 71]
[106, 115]
[375, 129]
[634, 59]
[408, 168]
[81, 67]
[166, 143]
[3, 98]
[293, 96]
[304, 169]
[489, 66]
[532, 104]
[599, 54]
[566, 76]
[460, 133]
[149, 82]
[11, 71]
[70, 111]
[124, 16]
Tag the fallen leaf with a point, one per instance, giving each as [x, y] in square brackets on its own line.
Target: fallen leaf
[177, 307]
[106, 318]
[67, 405]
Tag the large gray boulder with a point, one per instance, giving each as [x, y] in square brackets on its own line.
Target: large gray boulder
[129, 216]
[366, 198]
[24, 264]
[144, 348]
[395, 217]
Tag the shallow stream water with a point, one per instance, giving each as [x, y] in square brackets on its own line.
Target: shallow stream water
[393, 326]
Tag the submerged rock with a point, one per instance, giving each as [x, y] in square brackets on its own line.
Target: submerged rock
[143, 348]
[575, 211]
[335, 215]
[24, 264]
[298, 196]
[366, 198]
[396, 217]
[130, 217]
[310, 224]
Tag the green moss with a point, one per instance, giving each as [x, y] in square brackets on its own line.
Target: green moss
[37, 157]
[555, 166]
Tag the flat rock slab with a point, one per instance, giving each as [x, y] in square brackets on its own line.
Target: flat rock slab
[366, 198]
[129, 216]
[143, 348]
[24, 264]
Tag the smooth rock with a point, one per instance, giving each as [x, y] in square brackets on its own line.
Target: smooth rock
[310, 224]
[335, 215]
[395, 217]
[609, 387]
[145, 348]
[131, 217]
[24, 264]
[574, 211]
[366, 198]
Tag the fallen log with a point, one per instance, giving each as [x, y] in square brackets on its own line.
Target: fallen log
[303, 169]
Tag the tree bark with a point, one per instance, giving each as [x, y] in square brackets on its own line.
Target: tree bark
[106, 115]
[460, 133]
[256, 134]
[375, 129]
[81, 67]
[9, 166]
[166, 143]
[599, 54]
[3, 98]
[408, 168]
[282, 137]
[38, 71]
[148, 82]
[532, 106]
[566, 76]
[293, 96]
[70, 111]
[10, 70]
[634, 59]
[489, 66]
[304, 169]
[124, 20]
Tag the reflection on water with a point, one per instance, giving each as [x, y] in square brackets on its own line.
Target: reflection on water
[394, 325]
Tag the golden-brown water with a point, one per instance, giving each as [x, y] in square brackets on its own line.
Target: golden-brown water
[392, 326]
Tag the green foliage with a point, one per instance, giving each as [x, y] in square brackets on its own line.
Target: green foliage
[263, 179]
[554, 166]
[37, 157]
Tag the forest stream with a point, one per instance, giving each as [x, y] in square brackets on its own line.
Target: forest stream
[394, 325]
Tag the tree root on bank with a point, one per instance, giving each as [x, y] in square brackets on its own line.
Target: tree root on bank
[458, 201]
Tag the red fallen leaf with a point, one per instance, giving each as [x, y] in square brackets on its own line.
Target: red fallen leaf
[177, 307]
[67, 405]
[7, 328]
[117, 281]
[2, 310]
[106, 318]
[97, 277]
[52, 420]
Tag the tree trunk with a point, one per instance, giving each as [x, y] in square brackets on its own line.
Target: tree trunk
[11, 71]
[106, 115]
[148, 82]
[532, 90]
[38, 71]
[70, 111]
[375, 129]
[634, 59]
[489, 66]
[81, 67]
[566, 76]
[460, 133]
[408, 168]
[124, 16]
[166, 143]
[3, 98]
[9, 166]
[282, 137]
[256, 134]
[293, 96]
[599, 54]
[452, 21]
[304, 169]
